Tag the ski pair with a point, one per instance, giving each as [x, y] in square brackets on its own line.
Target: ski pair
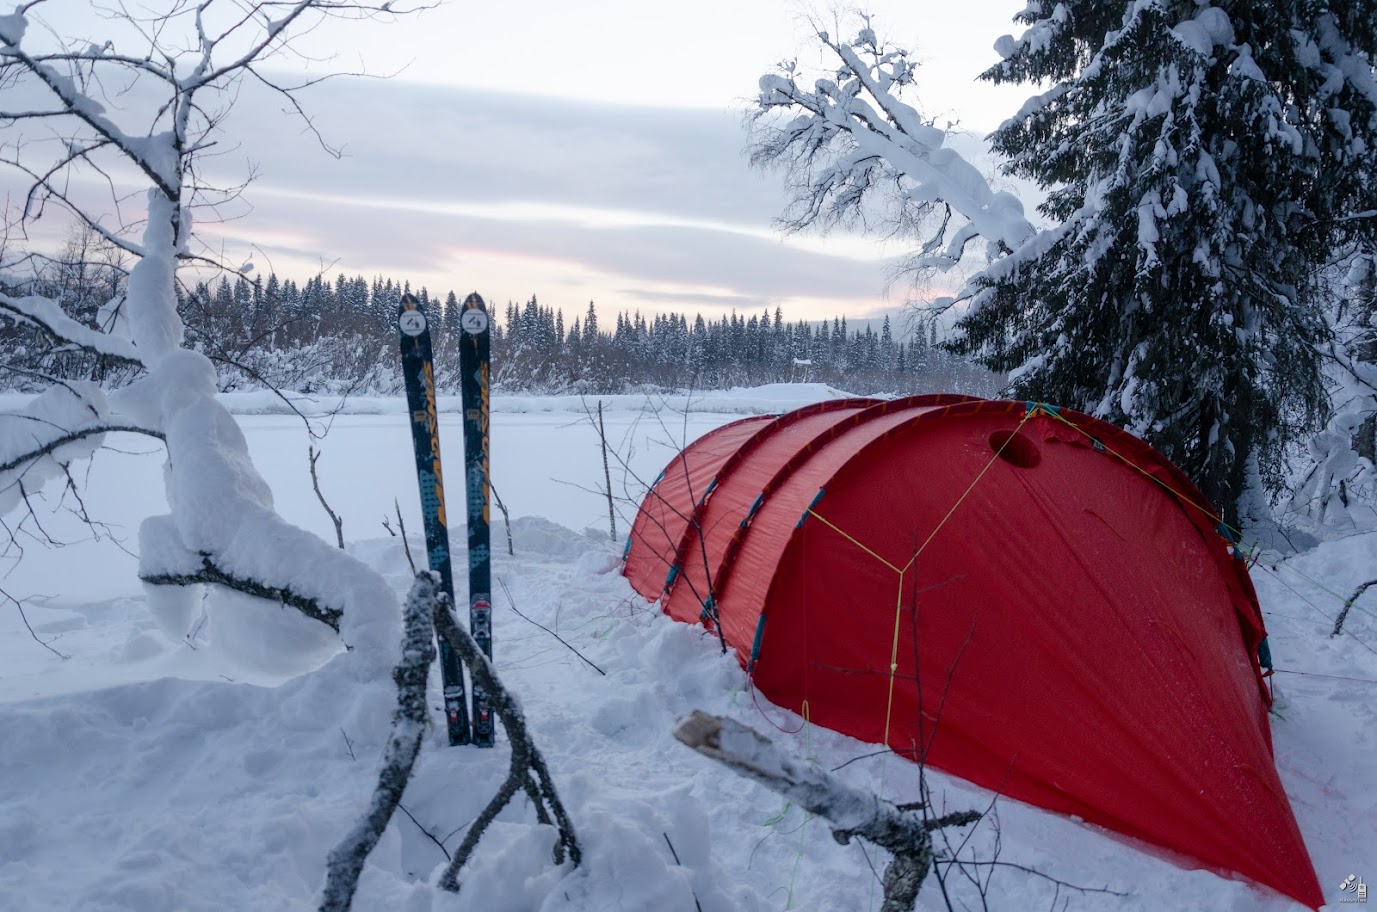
[418, 372]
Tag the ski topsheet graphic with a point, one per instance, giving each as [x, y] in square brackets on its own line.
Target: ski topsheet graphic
[418, 371]
[474, 374]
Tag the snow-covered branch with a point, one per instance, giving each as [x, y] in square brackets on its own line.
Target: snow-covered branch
[346, 860]
[47, 315]
[853, 812]
[212, 574]
[849, 143]
[221, 527]
[527, 773]
[64, 424]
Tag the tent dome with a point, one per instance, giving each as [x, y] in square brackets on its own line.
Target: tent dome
[1026, 597]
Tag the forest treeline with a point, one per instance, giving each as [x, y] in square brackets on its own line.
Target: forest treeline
[340, 336]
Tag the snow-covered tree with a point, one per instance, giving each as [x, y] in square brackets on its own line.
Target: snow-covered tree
[1337, 490]
[856, 154]
[1203, 160]
[143, 108]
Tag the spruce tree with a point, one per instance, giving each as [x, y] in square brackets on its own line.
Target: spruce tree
[1203, 159]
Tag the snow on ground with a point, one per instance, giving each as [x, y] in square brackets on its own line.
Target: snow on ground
[142, 773]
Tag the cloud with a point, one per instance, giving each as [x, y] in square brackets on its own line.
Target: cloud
[411, 140]
[457, 189]
[630, 205]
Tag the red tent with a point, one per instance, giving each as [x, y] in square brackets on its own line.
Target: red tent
[1035, 600]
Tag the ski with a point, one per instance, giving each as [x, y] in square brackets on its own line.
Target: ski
[474, 373]
[418, 372]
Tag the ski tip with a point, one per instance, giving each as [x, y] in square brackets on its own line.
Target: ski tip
[475, 300]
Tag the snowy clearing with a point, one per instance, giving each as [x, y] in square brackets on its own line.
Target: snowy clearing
[148, 773]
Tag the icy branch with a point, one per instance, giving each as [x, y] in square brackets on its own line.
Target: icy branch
[346, 860]
[852, 811]
[141, 152]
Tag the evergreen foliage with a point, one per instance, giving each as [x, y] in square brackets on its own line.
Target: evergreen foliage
[1204, 160]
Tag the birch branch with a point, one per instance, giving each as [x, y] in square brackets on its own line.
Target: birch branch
[905, 833]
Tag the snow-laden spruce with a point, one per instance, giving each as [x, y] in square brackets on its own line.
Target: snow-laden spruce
[1203, 162]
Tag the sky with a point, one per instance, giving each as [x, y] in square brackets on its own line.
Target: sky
[575, 152]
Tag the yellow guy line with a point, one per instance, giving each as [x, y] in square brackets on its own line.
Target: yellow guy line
[902, 571]
[829, 524]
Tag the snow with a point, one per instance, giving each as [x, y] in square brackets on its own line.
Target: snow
[214, 767]
[12, 28]
[153, 319]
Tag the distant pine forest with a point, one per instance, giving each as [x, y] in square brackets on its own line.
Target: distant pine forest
[340, 337]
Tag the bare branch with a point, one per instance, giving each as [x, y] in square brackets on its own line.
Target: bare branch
[25, 618]
[511, 602]
[313, 455]
[46, 315]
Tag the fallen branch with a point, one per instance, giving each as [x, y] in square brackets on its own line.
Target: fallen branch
[852, 811]
[346, 860]
[1348, 603]
[210, 573]
[528, 771]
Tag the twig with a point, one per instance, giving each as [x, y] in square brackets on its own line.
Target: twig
[401, 526]
[696, 904]
[348, 745]
[512, 604]
[607, 477]
[313, 454]
[25, 618]
[429, 835]
[996, 863]
[506, 518]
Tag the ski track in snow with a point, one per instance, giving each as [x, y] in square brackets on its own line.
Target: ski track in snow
[144, 774]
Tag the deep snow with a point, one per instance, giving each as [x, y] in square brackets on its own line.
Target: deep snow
[147, 772]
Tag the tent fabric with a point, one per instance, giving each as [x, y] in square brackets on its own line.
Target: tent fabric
[1029, 598]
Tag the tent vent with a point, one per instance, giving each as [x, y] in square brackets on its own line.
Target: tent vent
[1015, 449]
